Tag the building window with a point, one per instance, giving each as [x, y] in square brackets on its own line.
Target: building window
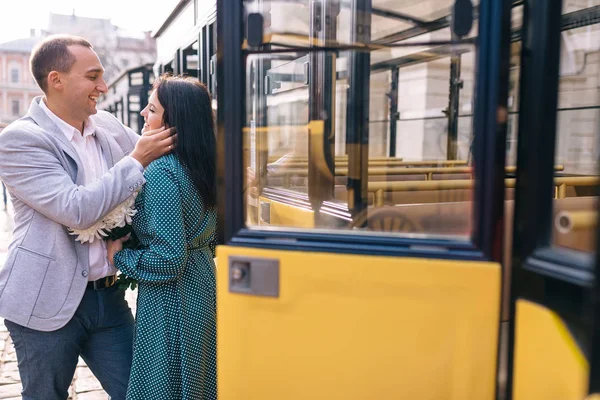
[14, 75]
[16, 107]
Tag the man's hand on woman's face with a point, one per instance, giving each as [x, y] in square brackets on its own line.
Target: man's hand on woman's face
[154, 144]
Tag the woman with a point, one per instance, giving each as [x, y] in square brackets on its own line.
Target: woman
[175, 335]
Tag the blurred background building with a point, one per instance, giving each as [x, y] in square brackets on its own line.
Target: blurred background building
[119, 51]
[17, 86]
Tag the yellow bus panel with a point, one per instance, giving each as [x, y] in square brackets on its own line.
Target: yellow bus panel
[360, 327]
[548, 362]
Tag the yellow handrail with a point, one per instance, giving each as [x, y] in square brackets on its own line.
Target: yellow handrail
[378, 188]
[290, 163]
[377, 171]
[567, 221]
[304, 159]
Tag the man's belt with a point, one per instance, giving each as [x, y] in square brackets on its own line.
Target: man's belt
[102, 283]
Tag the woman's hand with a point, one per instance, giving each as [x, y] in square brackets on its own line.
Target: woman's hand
[114, 246]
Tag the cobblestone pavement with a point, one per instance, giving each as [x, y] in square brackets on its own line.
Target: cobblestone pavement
[84, 386]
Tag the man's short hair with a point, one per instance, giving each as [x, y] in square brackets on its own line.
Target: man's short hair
[53, 54]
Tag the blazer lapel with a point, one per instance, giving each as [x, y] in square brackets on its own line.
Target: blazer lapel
[110, 149]
[40, 118]
[106, 150]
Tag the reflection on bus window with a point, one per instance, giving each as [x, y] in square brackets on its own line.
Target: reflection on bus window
[578, 134]
[312, 162]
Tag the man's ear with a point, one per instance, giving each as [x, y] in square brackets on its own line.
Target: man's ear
[54, 80]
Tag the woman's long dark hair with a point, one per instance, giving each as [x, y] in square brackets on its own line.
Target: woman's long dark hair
[187, 105]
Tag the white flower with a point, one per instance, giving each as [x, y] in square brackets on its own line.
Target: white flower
[119, 217]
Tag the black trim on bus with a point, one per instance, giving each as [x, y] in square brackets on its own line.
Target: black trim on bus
[594, 381]
[574, 267]
[489, 130]
[540, 54]
[489, 127]
[230, 118]
[277, 47]
[357, 114]
[398, 16]
[487, 234]
[330, 242]
[394, 114]
[572, 20]
[561, 280]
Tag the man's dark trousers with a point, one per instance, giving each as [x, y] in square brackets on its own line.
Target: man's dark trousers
[101, 332]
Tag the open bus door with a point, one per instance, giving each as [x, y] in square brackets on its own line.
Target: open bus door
[554, 341]
[329, 296]
[322, 292]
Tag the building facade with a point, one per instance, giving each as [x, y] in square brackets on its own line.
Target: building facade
[17, 86]
[128, 95]
[118, 50]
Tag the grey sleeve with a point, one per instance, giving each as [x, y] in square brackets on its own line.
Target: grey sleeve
[33, 173]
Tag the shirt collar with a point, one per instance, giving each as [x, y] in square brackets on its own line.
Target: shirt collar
[89, 128]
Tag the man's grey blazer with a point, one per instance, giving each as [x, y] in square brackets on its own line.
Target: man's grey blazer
[45, 274]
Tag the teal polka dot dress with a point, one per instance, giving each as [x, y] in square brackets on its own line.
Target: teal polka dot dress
[175, 333]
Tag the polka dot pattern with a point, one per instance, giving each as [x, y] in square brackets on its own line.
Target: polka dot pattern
[175, 332]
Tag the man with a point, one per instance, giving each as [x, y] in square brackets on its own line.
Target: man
[66, 165]
[4, 198]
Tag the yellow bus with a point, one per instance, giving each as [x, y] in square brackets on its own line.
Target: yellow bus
[339, 282]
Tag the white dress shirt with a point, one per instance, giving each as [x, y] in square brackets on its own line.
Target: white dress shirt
[94, 166]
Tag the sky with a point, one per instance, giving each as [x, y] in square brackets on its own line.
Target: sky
[17, 17]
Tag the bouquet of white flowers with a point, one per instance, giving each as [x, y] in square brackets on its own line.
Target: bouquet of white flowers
[120, 217]
[115, 225]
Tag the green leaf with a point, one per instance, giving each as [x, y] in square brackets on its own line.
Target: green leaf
[125, 282]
